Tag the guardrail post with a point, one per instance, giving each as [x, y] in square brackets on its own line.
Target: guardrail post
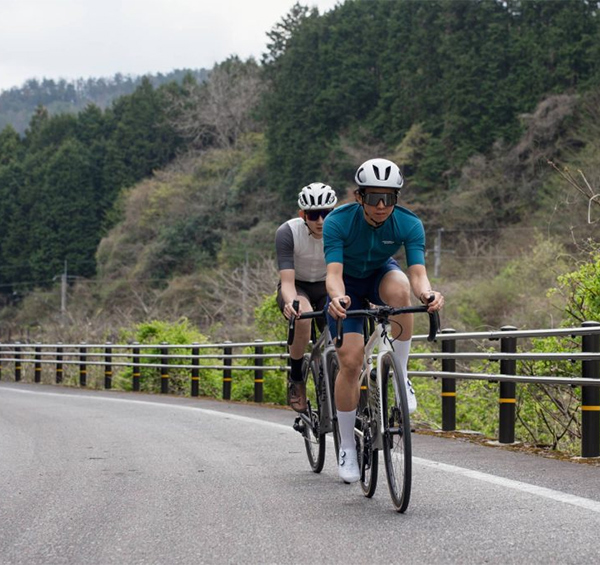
[82, 365]
[1, 357]
[227, 350]
[18, 365]
[59, 365]
[227, 373]
[508, 390]
[448, 384]
[108, 365]
[195, 370]
[37, 367]
[590, 397]
[164, 370]
[135, 361]
[258, 373]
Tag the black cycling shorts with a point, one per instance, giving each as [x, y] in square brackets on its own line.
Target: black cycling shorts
[314, 292]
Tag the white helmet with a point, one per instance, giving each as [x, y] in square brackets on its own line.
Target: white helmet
[316, 196]
[379, 173]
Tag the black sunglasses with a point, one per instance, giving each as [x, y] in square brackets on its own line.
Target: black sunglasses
[373, 198]
[314, 215]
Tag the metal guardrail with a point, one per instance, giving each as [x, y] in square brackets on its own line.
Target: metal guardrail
[112, 356]
[130, 355]
[508, 378]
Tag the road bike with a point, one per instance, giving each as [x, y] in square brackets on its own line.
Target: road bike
[319, 367]
[383, 420]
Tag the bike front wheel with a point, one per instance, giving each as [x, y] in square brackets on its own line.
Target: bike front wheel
[314, 438]
[397, 450]
[368, 456]
[333, 366]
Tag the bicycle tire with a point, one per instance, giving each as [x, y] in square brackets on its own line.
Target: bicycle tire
[332, 370]
[368, 458]
[314, 439]
[397, 449]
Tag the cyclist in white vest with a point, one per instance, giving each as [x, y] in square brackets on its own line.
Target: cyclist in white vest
[302, 271]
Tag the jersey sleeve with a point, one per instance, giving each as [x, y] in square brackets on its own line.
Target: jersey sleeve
[415, 245]
[284, 247]
[333, 241]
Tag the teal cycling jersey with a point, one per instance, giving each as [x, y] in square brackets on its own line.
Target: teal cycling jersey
[363, 249]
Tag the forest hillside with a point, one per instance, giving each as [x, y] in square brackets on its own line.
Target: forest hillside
[164, 204]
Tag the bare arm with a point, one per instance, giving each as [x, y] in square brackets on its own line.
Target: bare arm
[421, 287]
[336, 290]
[288, 291]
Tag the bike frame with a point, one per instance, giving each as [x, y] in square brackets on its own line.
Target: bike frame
[319, 361]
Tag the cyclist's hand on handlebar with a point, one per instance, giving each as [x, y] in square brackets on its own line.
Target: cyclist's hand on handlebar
[288, 310]
[338, 306]
[433, 299]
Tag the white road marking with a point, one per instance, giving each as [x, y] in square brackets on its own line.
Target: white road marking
[556, 495]
[528, 488]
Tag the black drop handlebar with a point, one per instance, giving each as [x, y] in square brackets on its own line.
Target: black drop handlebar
[292, 320]
[382, 313]
[379, 313]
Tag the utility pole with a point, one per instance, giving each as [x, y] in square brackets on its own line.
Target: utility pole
[63, 291]
[437, 253]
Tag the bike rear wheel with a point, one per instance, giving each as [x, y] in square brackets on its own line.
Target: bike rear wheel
[314, 439]
[397, 450]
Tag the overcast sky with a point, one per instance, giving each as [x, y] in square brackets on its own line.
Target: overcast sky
[99, 38]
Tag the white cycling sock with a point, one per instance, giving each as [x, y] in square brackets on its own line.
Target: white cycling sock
[346, 421]
[402, 348]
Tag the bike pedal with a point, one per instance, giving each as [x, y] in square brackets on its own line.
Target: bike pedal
[299, 425]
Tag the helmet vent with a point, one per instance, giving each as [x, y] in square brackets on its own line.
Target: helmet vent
[388, 170]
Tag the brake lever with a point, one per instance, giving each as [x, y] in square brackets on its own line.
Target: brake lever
[434, 321]
[434, 325]
[339, 338]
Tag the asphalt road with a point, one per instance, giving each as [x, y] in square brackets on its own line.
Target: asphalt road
[100, 477]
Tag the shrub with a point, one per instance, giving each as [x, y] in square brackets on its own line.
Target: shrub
[581, 288]
[159, 332]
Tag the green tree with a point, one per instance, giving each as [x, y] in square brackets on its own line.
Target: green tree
[93, 131]
[11, 147]
[140, 140]
[282, 32]
[11, 153]
[63, 222]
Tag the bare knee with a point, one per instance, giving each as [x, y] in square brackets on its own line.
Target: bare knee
[351, 359]
[394, 289]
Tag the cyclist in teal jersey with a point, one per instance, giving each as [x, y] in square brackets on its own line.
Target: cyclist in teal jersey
[360, 241]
